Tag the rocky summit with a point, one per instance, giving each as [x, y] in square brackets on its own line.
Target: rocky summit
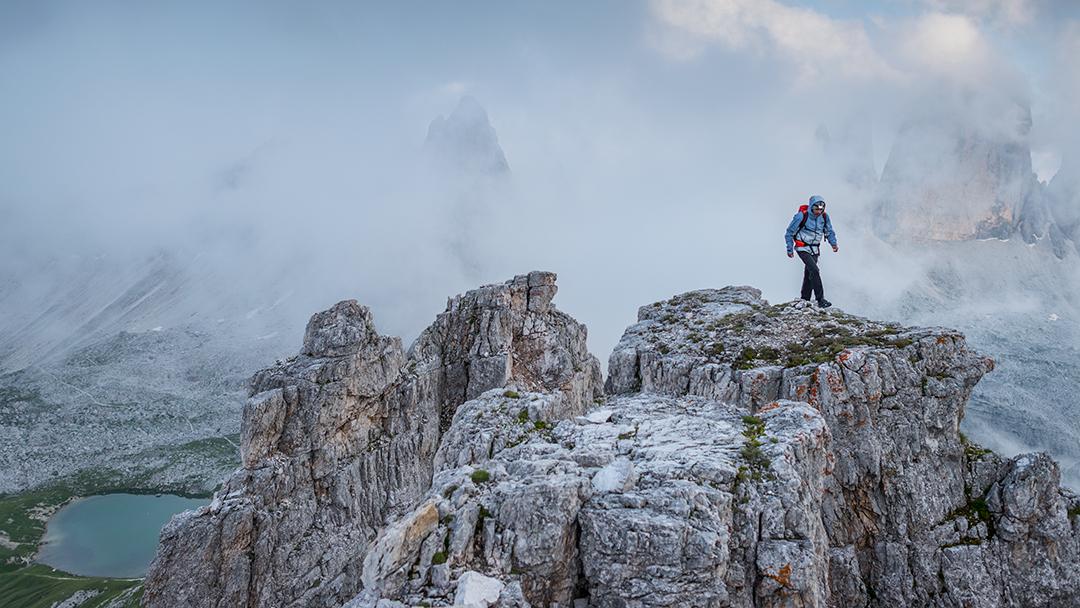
[739, 454]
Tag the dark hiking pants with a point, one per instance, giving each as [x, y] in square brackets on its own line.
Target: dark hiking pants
[811, 276]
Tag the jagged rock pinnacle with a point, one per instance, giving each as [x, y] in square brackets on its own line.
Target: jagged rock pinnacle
[341, 436]
[338, 331]
[465, 141]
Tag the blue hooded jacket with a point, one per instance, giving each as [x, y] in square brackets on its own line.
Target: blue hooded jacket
[816, 227]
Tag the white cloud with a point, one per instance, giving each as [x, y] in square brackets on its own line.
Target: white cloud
[1064, 88]
[1045, 163]
[1069, 45]
[815, 43]
[453, 89]
[1006, 12]
[933, 47]
[949, 45]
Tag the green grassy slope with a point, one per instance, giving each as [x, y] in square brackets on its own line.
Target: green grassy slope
[40, 586]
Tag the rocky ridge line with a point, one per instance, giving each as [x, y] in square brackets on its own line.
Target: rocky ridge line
[748, 455]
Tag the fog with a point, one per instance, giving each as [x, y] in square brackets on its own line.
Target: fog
[275, 150]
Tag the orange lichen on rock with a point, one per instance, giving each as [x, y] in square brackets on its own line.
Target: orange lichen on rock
[782, 576]
[835, 382]
[769, 406]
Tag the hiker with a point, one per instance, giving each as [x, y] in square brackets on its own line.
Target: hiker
[804, 235]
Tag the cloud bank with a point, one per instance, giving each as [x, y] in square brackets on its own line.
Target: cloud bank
[655, 147]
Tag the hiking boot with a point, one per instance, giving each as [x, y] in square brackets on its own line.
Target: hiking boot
[824, 303]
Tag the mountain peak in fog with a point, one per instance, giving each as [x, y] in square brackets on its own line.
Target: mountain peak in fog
[465, 141]
[949, 181]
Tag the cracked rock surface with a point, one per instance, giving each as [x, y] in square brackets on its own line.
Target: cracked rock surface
[746, 455]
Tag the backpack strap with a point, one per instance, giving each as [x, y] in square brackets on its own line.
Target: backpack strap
[805, 216]
[798, 230]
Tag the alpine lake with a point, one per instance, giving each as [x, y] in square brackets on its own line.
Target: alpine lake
[83, 540]
[113, 535]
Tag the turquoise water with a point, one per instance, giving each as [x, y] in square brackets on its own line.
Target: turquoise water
[114, 535]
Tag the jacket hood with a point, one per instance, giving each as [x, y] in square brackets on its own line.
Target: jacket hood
[815, 199]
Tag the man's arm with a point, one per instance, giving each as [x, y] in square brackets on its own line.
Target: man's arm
[830, 234]
[789, 235]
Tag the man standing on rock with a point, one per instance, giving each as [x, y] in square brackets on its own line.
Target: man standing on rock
[804, 235]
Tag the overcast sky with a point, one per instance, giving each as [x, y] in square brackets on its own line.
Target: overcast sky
[655, 146]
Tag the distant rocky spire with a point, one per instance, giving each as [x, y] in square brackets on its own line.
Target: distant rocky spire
[467, 166]
[465, 141]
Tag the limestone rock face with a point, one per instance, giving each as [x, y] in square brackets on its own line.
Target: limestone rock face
[344, 434]
[903, 481]
[746, 455]
[946, 182]
[657, 504]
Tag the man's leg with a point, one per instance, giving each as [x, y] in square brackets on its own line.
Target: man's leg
[811, 276]
[807, 279]
[815, 277]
